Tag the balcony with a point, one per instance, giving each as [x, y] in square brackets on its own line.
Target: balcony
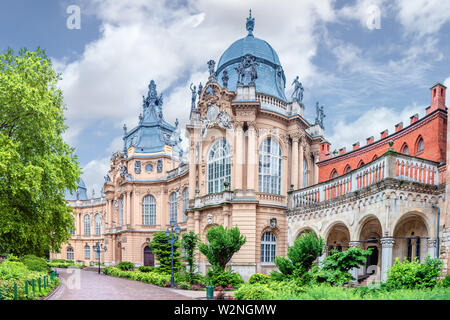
[213, 199]
[391, 165]
[184, 167]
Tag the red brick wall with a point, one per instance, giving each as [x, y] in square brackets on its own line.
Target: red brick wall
[432, 128]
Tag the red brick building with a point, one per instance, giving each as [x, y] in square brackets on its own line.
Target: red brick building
[424, 138]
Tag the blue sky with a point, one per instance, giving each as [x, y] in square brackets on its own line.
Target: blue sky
[367, 79]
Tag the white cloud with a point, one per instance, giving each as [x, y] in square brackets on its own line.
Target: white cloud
[370, 123]
[423, 17]
[93, 175]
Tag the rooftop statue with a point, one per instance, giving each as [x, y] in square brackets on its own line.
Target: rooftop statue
[200, 89]
[211, 66]
[246, 70]
[298, 90]
[152, 102]
[320, 115]
[225, 78]
[194, 96]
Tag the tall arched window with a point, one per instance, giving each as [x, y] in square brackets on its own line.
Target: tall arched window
[149, 210]
[219, 166]
[173, 206]
[268, 247]
[360, 164]
[72, 230]
[270, 166]
[334, 174]
[305, 174]
[87, 252]
[98, 224]
[70, 254]
[405, 149]
[121, 212]
[87, 225]
[185, 203]
[347, 169]
[420, 145]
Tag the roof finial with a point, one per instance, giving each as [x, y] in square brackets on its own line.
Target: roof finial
[250, 23]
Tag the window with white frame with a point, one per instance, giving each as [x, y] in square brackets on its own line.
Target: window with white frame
[121, 211]
[185, 203]
[70, 254]
[149, 210]
[270, 166]
[268, 247]
[87, 252]
[98, 224]
[87, 225]
[219, 166]
[72, 230]
[173, 207]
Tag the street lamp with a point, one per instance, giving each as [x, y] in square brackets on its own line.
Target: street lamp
[98, 248]
[171, 238]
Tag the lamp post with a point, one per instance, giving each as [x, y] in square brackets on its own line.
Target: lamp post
[171, 238]
[98, 248]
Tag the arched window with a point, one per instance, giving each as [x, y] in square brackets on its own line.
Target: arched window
[87, 225]
[149, 210]
[374, 157]
[420, 145]
[305, 174]
[270, 166]
[87, 252]
[173, 207]
[360, 164]
[121, 211]
[334, 174]
[70, 254]
[268, 247]
[185, 203]
[405, 149]
[347, 169]
[98, 224]
[219, 166]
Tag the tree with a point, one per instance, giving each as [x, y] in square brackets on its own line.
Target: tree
[222, 244]
[36, 165]
[189, 244]
[335, 268]
[162, 250]
[300, 257]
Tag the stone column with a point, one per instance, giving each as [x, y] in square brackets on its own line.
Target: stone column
[354, 271]
[239, 172]
[316, 167]
[127, 214]
[294, 167]
[300, 164]
[194, 155]
[432, 247]
[386, 256]
[197, 222]
[252, 156]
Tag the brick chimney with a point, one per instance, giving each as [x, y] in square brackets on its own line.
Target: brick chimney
[341, 151]
[398, 127]
[325, 151]
[369, 140]
[356, 145]
[414, 118]
[384, 133]
[437, 97]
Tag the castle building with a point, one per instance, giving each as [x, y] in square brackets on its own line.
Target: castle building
[255, 162]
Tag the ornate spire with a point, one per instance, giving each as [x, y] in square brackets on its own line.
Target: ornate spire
[250, 23]
[152, 104]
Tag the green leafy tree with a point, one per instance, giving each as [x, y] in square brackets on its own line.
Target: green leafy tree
[222, 244]
[300, 257]
[414, 275]
[162, 250]
[335, 268]
[189, 243]
[36, 165]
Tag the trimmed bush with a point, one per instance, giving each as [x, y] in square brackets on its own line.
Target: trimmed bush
[126, 266]
[35, 263]
[259, 278]
[254, 292]
[223, 278]
[147, 269]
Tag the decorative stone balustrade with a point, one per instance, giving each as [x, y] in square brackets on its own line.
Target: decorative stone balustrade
[177, 171]
[213, 199]
[272, 198]
[390, 165]
[269, 101]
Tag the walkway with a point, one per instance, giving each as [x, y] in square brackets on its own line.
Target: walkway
[89, 285]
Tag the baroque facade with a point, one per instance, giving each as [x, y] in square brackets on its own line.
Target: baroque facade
[255, 162]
